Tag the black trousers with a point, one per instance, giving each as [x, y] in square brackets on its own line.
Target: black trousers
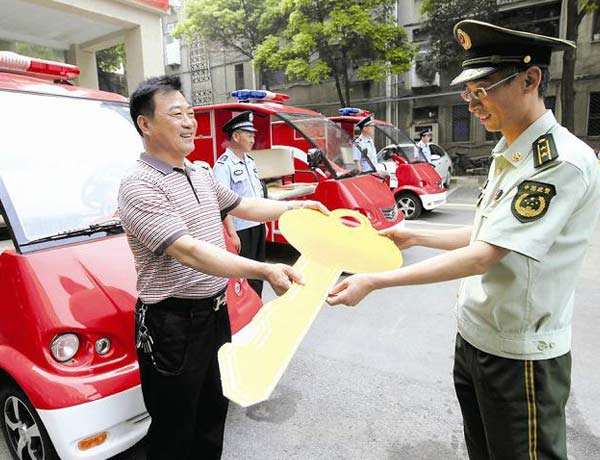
[512, 409]
[253, 241]
[182, 387]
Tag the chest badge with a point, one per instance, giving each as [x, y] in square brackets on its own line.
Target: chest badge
[238, 172]
[532, 200]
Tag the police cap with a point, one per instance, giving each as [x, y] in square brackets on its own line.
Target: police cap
[364, 122]
[242, 121]
[489, 48]
[425, 132]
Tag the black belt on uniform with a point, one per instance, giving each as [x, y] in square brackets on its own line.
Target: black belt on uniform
[215, 302]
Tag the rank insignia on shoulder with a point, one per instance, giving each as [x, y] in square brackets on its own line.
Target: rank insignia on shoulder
[532, 200]
[544, 150]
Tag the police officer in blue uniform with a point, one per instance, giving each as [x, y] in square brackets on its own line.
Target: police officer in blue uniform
[236, 170]
[363, 150]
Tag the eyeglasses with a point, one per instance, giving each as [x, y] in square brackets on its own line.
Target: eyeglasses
[481, 93]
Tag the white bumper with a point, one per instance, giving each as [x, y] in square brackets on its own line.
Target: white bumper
[123, 416]
[434, 200]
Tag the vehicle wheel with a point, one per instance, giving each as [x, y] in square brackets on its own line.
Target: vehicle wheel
[409, 204]
[449, 176]
[23, 430]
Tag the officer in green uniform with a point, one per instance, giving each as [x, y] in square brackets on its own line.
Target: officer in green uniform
[520, 259]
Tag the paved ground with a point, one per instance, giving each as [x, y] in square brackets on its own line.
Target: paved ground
[374, 382]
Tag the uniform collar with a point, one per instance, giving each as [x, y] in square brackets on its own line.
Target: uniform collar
[163, 167]
[234, 158]
[520, 149]
[366, 138]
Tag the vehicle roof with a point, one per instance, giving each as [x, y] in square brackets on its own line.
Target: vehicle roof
[266, 107]
[31, 84]
[356, 119]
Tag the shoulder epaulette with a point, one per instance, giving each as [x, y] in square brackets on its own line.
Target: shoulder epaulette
[544, 150]
[250, 157]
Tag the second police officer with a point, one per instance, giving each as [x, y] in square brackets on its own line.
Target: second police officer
[364, 153]
[236, 170]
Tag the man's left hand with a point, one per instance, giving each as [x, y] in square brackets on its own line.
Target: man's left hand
[350, 291]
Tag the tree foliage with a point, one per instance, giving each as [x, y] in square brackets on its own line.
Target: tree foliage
[440, 18]
[239, 25]
[111, 59]
[327, 38]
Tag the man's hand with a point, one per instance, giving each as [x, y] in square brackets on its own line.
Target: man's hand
[237, 243]
[308, 204]
[281, 277]
[350, 291]
[404, 239]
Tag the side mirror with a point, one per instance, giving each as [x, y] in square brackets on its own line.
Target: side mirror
[314, 158]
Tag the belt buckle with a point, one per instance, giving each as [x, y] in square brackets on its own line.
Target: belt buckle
[219, 302]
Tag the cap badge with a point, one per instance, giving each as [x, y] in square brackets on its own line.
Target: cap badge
[464, 39]
[527, 59]
[251, 116]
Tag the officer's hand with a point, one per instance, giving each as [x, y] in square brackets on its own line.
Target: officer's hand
[281, 277]
[350, 291]
[309, 204]
[401, 237]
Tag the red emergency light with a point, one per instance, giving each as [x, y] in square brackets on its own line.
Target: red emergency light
[14, 62]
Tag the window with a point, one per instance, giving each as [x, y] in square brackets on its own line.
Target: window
[540, 19]
[594, 115]
[461, 121]
[239, 76]
[596, 26]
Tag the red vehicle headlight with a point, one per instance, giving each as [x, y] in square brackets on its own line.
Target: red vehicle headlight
[64, 346]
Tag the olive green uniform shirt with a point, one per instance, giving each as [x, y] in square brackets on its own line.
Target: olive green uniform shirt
[545, 215]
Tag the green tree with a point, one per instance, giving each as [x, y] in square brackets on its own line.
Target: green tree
[440, 17]
[324, 39]
[240, 25]
[576, 11]
[111, 59]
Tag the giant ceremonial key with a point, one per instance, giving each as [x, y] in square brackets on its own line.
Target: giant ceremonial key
[342, 241]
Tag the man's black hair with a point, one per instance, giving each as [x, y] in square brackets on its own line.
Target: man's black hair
[141, 101]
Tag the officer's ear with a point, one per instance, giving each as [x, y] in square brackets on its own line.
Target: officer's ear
[533, 78]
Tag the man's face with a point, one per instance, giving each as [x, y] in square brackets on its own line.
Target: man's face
[172, 128]
[369, 131]
[244, 140]
[500, 109]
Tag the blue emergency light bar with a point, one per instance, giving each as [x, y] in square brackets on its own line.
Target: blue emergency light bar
[247, 95]
[353, 112]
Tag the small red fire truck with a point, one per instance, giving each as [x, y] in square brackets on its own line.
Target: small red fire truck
[415, 184]
[300, 154]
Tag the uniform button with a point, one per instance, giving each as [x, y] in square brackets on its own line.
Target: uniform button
[542, 346]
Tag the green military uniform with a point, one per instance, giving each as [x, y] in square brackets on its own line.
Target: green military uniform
[541, 201]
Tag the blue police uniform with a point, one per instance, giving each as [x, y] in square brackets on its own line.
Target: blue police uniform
[241, 176]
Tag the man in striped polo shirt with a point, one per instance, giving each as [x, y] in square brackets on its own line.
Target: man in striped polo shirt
[171, 213]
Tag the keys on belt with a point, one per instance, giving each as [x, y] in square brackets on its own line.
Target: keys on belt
[220, 301]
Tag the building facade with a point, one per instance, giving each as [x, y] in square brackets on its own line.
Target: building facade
[410, 100]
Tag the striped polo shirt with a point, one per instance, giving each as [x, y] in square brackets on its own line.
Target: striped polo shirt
[160, 203]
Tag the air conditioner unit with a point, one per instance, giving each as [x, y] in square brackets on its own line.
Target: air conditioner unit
[173, 53]
[417, 82]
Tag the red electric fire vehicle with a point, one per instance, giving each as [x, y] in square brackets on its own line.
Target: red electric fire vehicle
[69, 381]
[415, 183]
[300, 154]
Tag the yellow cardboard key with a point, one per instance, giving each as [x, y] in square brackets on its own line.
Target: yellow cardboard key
[342, 241]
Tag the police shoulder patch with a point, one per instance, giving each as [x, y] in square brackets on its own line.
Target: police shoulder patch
[532, 200]
[544, 150]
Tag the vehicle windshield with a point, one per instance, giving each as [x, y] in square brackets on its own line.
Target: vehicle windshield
[403, 144]
[327, 136]
[62, 159]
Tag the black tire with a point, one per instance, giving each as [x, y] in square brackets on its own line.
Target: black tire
[449, 176]
[24, 432]
[410, 205]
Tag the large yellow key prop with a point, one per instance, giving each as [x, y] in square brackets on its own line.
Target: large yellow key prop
[328, 246]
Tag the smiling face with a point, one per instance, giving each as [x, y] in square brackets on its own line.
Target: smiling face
[170, 131]
[242, 141]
